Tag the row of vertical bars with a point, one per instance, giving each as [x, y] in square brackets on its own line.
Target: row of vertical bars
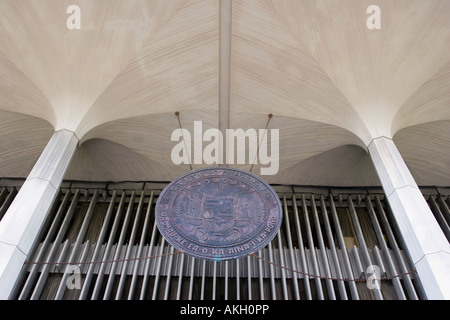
[308, 259]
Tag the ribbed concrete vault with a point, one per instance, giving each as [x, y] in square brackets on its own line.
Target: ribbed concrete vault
[332, 84]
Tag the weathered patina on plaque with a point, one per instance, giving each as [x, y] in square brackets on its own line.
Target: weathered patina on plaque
[218, 213]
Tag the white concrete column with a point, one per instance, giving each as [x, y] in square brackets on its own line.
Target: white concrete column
[22, 222]
[425, 241]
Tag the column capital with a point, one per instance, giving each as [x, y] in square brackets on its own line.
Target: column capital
[377, 138]
[390, 166]
[73, 132]
[54, 160]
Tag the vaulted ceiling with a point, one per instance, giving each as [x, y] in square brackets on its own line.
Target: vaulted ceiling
[331, 83]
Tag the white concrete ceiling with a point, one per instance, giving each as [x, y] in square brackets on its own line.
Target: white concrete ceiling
[330, 82]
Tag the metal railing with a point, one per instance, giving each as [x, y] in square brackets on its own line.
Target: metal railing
[102, 243]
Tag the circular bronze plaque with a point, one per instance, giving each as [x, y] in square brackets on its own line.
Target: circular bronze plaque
[218, 213]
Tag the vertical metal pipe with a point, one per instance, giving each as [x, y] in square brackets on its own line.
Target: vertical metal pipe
[134, 228]
[362, 242]
[323, 253]
[3, 194]
[226, 279]
[158, 269]
[439, 217]
[112, 235]
[359, 271]
[148, 261]
[57, 266]
[291, 249]
[326, 221]
[169, 274]
[346, 262]
[282, 264]
[44, 247]
[49, 228]
[302, 249]
[272, 272]
[141, 248]
[312, 249]
[202, 291]
[180, 277]
[98, 247]
[191, 283]
[214, 280]
[238, 280]
[62, 231]
[78, 242]
[261, 276]
[444, 208]
[6, 204]
[84, 260]
[384, 248]
[396, 250]
[379, 261]
[123, 233]
[40, 285]
[60, 259]
[249, 277]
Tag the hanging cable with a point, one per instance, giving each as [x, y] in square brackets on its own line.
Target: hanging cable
[180, 252]
[261, 140]
[184, 140]
[328, 278]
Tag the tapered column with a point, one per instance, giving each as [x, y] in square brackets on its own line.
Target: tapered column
[22, 222]
[425, 241]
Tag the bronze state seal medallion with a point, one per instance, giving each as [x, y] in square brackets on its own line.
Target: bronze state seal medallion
[218, 213]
